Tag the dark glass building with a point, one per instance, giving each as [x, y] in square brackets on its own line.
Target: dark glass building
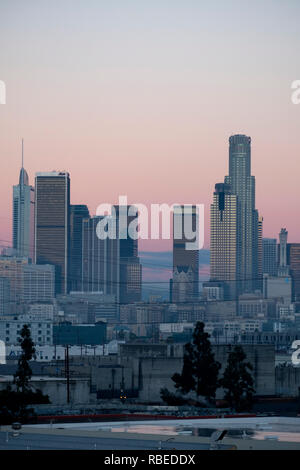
[78, 214]
[184, 286]
[293, 259]
[100, 260]
[130, 267]
[270, 256]
[111, 265]
[52, 225]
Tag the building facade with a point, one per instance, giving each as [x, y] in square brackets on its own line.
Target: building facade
[185, 281]
[52, 225]
[77, 214]
[130, 266]
[270, 256]
[243, 186]
[294, 264]
[38, 283]
[23, 216]
[11, 267]
[100, 260]
[224, 240]
[4, 296]
[111, 264]
[28, 283]
[40, 329]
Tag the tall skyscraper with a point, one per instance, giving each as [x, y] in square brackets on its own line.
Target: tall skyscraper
[78, 214]
[293, 252]
[23, 215]
[270, 256]
[243, 186]
[52, 225]
[224, 240]
[283, 268]
[111, 265]
[130, 266]
[259, 284]
[100, 261]
[185, 281]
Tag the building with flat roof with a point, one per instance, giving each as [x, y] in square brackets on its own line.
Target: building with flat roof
[67, 334]
[40, 329]
[52, 224]
[293, 254]
[270, 256]
[185, 281]
[224, 245]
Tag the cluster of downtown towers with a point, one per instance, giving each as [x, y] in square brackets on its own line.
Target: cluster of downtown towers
[49, 230]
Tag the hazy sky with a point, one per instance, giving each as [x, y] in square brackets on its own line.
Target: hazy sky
[140, 97]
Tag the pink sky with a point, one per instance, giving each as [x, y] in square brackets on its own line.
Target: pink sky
[141, 100]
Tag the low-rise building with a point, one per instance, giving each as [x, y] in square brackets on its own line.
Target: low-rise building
[40, 329]
[85, 334]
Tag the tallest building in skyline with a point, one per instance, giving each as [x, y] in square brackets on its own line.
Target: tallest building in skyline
[236, 230]
[242, 184]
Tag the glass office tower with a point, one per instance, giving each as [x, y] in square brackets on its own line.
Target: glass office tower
[52, 225]
[23, 216]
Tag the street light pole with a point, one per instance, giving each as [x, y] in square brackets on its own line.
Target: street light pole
[67, 370]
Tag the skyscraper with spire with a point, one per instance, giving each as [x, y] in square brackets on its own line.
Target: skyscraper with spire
[23, 214]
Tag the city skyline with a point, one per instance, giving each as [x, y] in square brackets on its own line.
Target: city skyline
[149, 227]
[155, 245]
[142, 114]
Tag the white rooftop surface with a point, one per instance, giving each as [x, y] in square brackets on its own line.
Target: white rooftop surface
[36, 378]
[283, 428]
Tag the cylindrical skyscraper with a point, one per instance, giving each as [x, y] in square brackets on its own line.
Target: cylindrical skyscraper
[243, 186]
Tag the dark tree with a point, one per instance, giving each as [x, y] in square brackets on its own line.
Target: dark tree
[200, 370]
[14, 403]
[237, 381]
[171, 399]
[24, 372]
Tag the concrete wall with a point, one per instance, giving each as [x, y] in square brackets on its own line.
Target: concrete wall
[147, 373]
[262, 358]
[287, 381]
[156, 373]
[57, 389]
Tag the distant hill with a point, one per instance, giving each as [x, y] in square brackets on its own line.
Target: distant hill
[157, 271]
